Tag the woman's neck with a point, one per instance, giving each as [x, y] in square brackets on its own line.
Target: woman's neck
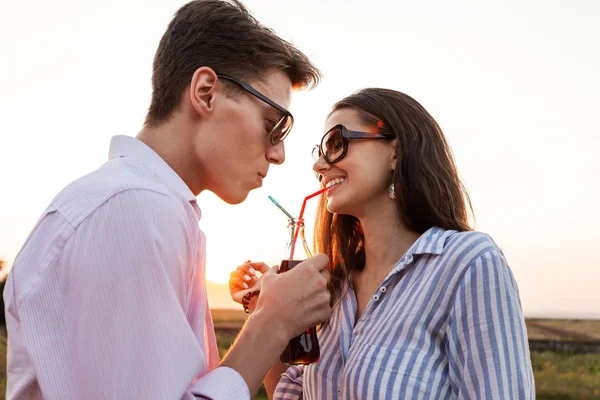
[387, 239]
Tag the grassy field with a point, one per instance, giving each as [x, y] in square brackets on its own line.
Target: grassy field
[563, 376]
[558, 376]
[563, 329]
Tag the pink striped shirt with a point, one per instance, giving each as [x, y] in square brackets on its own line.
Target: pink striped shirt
[107, 299]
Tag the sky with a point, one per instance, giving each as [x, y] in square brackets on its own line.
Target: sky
[514, 85]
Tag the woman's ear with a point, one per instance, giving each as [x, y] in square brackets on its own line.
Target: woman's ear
[394, 154]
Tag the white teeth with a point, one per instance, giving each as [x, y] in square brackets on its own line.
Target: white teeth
[333, 182]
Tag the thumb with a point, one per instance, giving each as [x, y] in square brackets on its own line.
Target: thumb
[272, 271]
[318, 262]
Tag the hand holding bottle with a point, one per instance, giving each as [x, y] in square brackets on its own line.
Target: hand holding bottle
[298, 299]
[245, 279]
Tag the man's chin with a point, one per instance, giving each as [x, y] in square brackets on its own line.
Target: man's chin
[233, 198]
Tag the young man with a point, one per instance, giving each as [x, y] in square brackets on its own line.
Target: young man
[107, 299]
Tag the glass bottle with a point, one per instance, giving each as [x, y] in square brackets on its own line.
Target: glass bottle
[303, 349]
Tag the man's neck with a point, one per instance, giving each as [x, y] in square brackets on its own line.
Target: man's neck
[172, 141]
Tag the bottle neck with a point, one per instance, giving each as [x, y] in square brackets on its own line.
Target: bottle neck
[300, 249]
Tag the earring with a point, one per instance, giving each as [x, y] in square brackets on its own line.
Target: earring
[392, 192]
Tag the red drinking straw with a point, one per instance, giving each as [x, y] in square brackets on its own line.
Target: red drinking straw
[300, 218]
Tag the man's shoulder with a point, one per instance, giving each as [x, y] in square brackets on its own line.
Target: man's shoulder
[83, 196]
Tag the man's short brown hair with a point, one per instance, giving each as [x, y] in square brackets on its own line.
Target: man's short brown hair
[224, 36]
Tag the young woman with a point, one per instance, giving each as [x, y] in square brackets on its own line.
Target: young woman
[423, 307]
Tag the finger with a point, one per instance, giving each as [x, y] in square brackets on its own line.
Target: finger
[254, 280]
[258, 267]
[237, 274]
[244, 263]
[244, 276]
[251, 268]
[243, 268]
[238, 296]
[318, 261]
[254, 285]
[238, 282]
[272, 271]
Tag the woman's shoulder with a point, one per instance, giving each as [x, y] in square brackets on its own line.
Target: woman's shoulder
[464, 249]
[473, 239]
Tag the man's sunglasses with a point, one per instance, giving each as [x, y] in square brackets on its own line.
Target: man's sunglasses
[334, 144]
[283, 127]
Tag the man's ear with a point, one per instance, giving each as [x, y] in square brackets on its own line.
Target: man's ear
[202, 90]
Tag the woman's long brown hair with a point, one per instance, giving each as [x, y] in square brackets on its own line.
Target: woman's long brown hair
[427, 187]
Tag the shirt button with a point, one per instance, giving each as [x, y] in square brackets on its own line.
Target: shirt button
[382, 289]
[376, 297]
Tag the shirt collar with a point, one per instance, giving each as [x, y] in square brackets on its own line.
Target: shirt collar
[432, 241]
[127, 146]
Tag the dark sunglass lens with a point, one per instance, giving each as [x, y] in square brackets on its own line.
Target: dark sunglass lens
[281, 129]
[288, 123]
[276, 134]
[333, 144]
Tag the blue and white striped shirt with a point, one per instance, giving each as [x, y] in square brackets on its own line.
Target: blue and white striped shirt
[446, 323]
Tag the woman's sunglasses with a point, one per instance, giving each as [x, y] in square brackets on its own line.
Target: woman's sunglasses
[334, 144]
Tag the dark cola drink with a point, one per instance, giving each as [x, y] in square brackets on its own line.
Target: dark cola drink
[302, 349]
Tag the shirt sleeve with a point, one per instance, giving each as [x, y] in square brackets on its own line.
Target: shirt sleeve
[487, 339]
[222, 383]
[290, 384]
[125, 282]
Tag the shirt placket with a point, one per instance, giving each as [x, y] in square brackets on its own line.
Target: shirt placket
[350, 331]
